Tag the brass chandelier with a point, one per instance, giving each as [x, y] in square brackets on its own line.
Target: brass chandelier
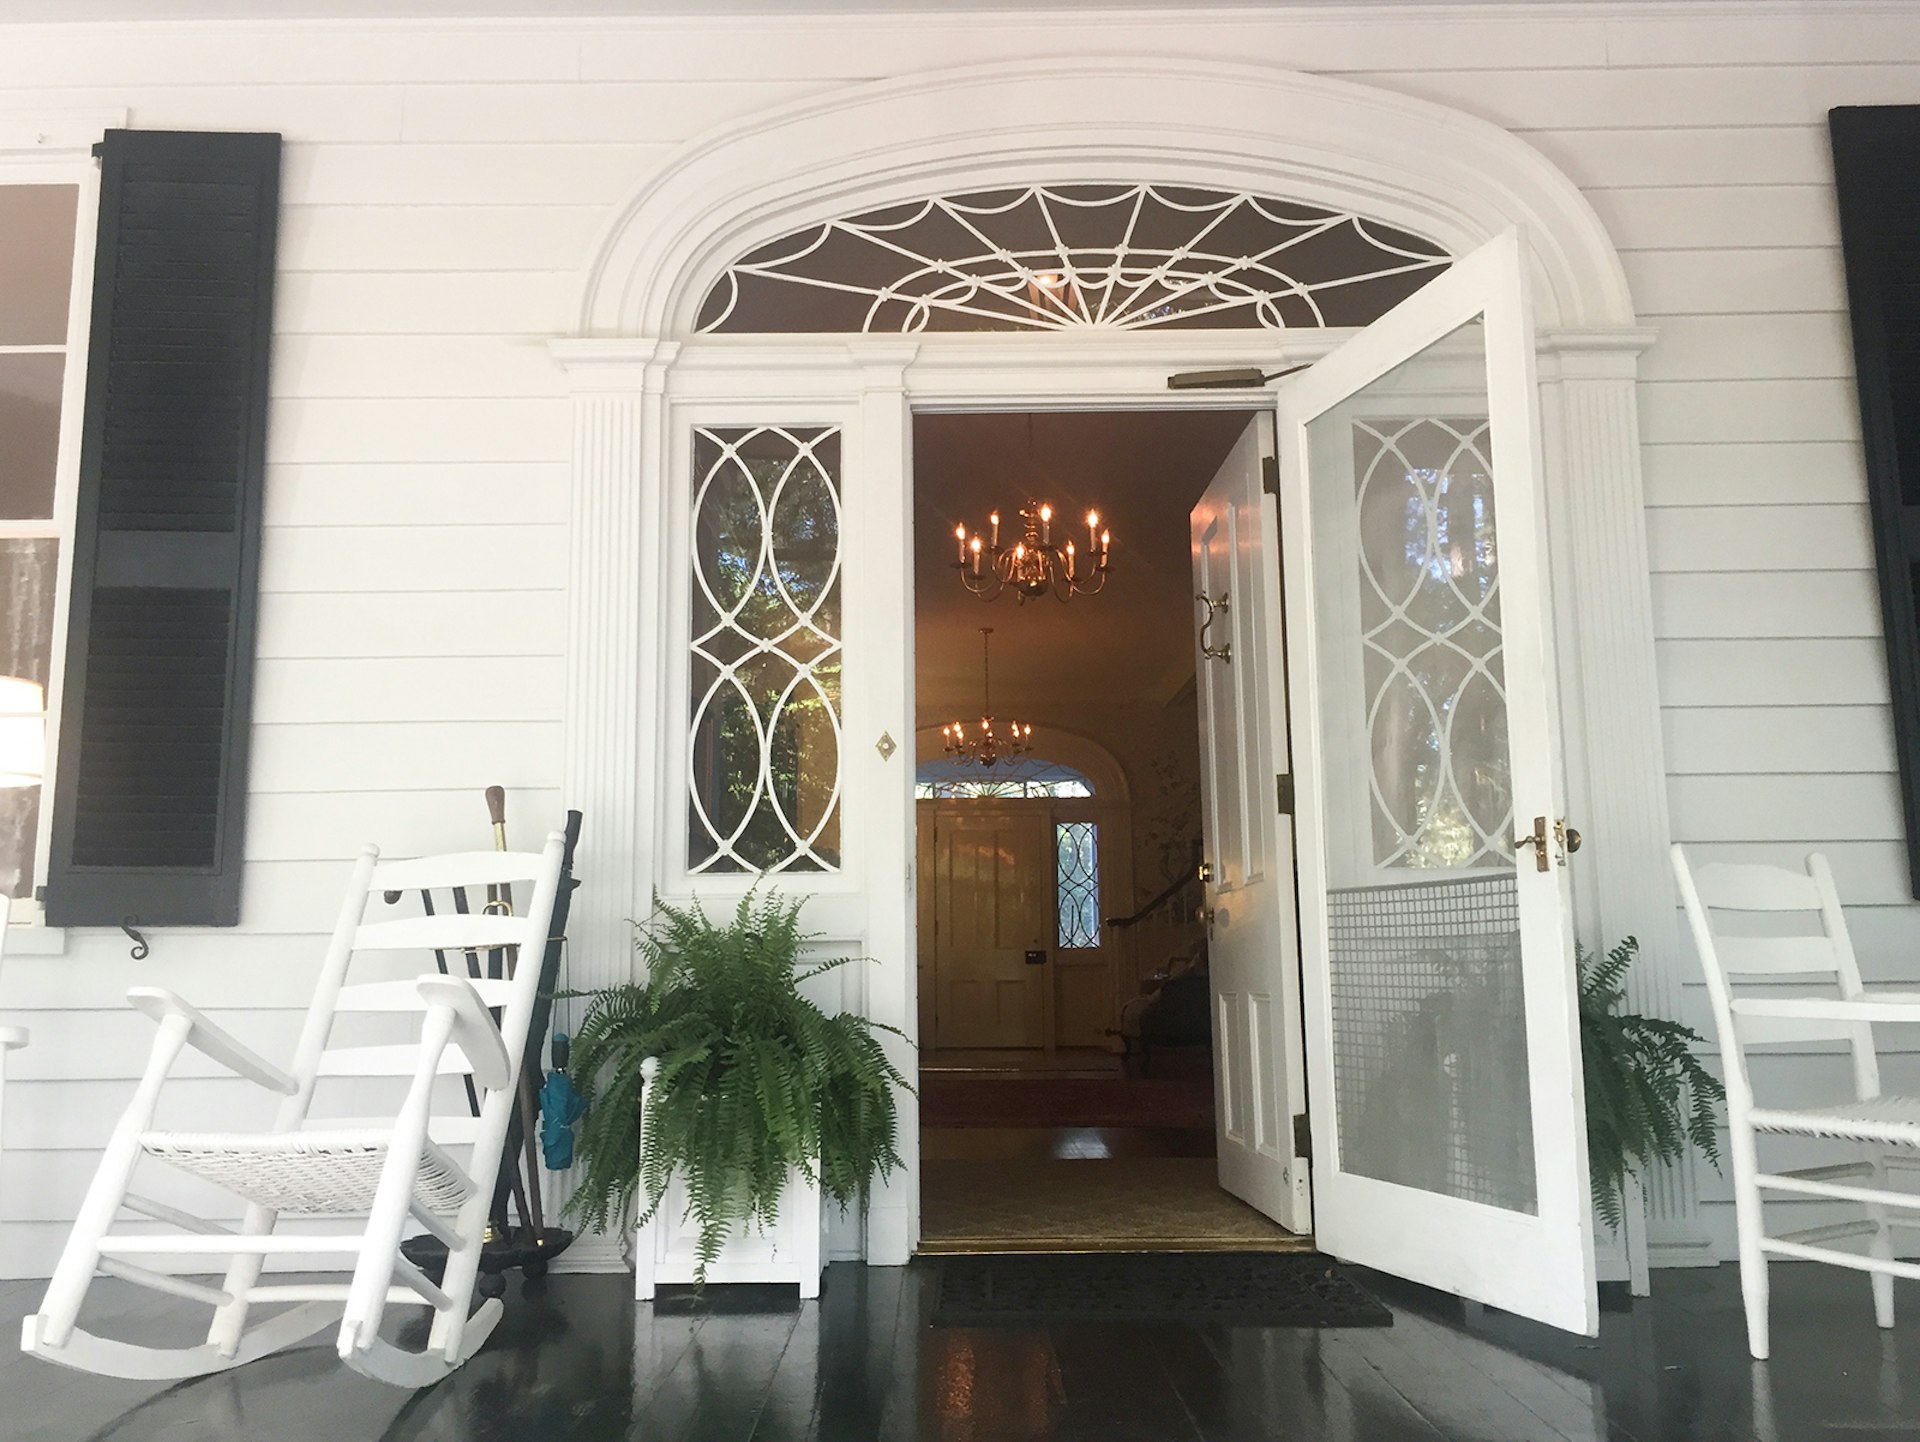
[985, 745]
[1035, 564]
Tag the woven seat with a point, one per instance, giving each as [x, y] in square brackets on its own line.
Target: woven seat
[317, 1171]
[1891, 1120]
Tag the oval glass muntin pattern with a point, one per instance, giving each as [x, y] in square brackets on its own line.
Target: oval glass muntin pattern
[764, 724]
[1436, 700]
[1113, 256]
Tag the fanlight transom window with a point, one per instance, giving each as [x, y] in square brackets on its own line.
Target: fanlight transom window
[1068, 257]
[1027, 778]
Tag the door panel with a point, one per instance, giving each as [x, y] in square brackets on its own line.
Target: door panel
[991, 881]
[1443, 1053]
[1252, 945]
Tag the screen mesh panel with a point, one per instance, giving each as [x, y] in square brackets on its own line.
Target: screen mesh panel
[1429, 1038]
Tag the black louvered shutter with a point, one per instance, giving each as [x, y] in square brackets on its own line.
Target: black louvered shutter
[150, 797]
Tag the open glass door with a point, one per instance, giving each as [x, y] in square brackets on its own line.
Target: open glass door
[1253, 956]
[1442, 1040]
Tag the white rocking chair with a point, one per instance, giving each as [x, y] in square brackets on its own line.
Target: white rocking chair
[1884, 1131]
[393, 1171]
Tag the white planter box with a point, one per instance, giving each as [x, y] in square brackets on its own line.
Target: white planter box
[789, 1251]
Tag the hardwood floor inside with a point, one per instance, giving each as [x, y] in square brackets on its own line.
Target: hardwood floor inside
[575, 1359]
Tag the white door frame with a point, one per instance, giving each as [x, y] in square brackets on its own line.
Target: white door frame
[1438, 172]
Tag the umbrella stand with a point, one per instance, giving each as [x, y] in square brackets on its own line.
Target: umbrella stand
[531, 1246]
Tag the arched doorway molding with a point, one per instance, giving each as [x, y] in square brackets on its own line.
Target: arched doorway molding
[1410, 163]
[1439, 172]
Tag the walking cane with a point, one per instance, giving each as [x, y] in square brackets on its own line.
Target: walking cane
[500, 899]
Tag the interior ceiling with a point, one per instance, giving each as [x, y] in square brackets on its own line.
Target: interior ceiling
[44, 10]
[1132, 643]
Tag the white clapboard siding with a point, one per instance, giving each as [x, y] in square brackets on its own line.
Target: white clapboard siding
[445, 186]
[1759, 538]
[1763, 740]
[1731, 604]
[1751, 347]
[1744, 473]
[1726, 217]
[364, 175]
[1747, 282]
[453, 557]
[317, 825]
[434, 237]
[1772, 672]
[422, 429]
[533, 304]
[1782, 807]
[413, 493]
[375, 367]
[408, 756]
[415, 688]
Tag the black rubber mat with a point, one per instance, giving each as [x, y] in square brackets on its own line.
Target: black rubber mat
[1255, 1289]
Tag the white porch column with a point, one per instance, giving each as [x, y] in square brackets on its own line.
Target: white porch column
[607, 771]
[1609, 698]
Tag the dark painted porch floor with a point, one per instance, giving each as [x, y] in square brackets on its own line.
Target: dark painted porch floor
[576, 1361]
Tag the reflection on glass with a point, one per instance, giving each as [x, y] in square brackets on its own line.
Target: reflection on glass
[36, 262]
[1430, 1054]
[765, 710]
[29, 433]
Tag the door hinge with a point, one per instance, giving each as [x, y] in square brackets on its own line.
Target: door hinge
[1270, 475]
[1283, 789]
[1303, 1138]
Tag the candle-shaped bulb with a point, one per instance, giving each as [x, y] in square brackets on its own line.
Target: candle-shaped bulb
[1069, 560]
[976, 555]
[1106, 539]
[994, 521]
[960, 535]
[1046, 523]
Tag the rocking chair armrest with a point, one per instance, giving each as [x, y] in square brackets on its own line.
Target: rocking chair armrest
[210, 1039]
[474, 1028]
[1884, 1007]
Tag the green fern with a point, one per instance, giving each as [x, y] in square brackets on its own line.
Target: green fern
[754, 1080]
[1648, 1097]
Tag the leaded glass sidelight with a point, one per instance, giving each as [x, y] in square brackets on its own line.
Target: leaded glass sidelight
[1068, 257]
[1436, 701]
[765, 711]
[1076, 848]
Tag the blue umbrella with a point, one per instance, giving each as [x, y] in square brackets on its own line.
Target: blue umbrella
[560, 1107]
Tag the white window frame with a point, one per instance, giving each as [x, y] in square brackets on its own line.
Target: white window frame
[57, 152]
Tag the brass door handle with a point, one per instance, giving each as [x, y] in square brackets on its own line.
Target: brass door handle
[1204, 871]
[1538, 841]
[1224, 651]
[1568, 839]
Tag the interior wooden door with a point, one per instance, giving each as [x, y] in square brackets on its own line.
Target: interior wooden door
[1253, 954]
[1443, 1053]
[992, 883]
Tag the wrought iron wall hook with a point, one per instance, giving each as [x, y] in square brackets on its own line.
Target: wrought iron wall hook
[140, 946]
[1224, 651]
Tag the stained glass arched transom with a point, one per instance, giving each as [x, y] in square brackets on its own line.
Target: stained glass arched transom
[1070, 257]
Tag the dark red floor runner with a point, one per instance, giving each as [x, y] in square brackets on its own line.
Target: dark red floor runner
[950, 1099]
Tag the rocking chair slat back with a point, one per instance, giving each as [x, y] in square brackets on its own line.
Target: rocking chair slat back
[455, 932]
[404, 996]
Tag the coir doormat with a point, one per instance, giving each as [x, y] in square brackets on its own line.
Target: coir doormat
[1254, 1289]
